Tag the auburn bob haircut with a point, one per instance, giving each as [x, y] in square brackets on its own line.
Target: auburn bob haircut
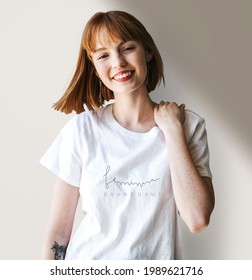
[84, 88]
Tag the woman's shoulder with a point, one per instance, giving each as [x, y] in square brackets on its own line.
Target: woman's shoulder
[193, 122]
[193, 116]
[88, 118]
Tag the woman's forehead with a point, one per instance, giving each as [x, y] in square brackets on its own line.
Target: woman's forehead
[104, 38]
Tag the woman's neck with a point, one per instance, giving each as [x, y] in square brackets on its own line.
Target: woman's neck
[135, 113]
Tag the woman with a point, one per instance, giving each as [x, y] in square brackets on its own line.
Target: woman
[136, 164]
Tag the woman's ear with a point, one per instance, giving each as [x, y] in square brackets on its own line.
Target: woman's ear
[149, 55]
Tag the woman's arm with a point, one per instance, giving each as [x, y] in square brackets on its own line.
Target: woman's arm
[64, 202]
[193, 193]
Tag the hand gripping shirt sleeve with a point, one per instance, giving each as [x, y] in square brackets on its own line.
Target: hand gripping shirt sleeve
[196, 136]
[63, 157]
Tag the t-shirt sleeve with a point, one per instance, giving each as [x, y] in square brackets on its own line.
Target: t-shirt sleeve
[63, 157]
[198, 144]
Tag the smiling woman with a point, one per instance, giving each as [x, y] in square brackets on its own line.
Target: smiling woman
[121, 29]
[122, 66]
[127, 158]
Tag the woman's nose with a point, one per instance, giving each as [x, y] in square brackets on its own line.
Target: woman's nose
[119, 61]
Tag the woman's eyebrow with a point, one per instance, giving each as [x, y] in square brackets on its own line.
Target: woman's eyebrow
[99, 49]
[118, 46]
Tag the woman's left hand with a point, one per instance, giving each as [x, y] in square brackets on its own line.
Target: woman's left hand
[169, 116]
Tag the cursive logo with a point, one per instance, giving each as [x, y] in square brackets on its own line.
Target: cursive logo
[107, 182]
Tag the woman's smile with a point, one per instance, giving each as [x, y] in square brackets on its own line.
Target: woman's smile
[123, 76]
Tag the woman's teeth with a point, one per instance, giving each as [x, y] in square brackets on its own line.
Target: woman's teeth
[121, 76]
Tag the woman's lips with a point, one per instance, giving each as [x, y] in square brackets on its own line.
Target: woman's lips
[123, 76]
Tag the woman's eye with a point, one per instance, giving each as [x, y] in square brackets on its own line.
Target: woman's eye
[128, 49]
[103, 56]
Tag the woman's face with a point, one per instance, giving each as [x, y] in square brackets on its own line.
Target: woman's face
[122, 66]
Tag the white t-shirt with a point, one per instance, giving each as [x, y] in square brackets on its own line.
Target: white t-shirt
[129, 211]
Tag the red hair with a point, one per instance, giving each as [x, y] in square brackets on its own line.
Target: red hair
[84, 86]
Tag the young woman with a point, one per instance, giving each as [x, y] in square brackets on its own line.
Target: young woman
[136, 164]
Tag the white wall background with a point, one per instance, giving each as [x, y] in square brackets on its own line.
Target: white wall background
[206, 47]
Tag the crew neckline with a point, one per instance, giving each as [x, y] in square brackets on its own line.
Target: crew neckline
[119, 128]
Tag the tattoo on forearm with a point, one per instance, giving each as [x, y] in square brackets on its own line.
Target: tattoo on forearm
[59, 251]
